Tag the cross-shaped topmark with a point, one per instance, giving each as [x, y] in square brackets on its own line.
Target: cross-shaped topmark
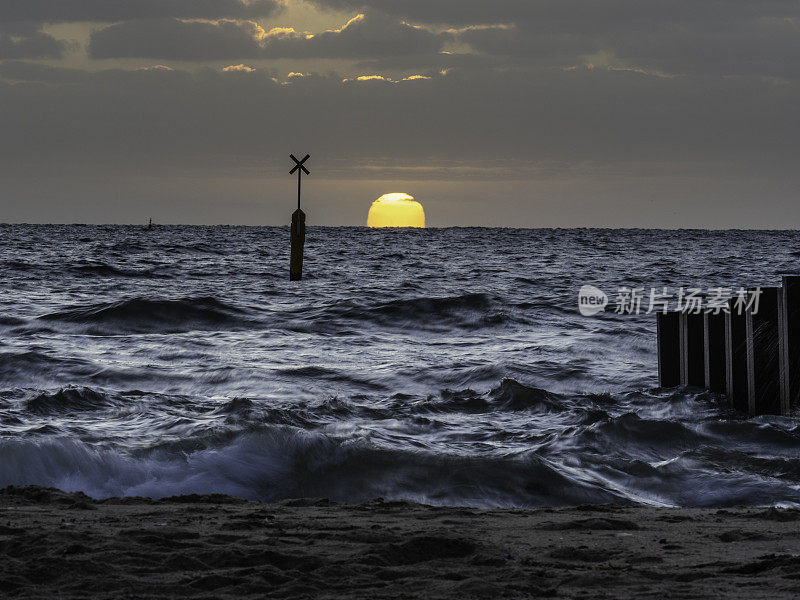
[299, 164]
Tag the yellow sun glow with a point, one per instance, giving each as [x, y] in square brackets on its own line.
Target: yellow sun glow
[396, 210]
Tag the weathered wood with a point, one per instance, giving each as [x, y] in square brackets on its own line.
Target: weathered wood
[298, 232]
[736, 357]
[669, 349]
[298, 244]
[763, 395]
[714, 351]
[691, 343]
[789, 342]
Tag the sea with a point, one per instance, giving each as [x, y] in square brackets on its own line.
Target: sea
[443, 366]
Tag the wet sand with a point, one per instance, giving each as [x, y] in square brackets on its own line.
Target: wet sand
[58, 545]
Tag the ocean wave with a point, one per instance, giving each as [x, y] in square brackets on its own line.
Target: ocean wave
[105, 270]
[8, 321]
[18, 265]
[282, 462]
[509, 396]
[632, 435]
[237, 406]
[551, 449]
[69, 400]
[445, 365]
[142, 315]
[27, 366]
[432, 314]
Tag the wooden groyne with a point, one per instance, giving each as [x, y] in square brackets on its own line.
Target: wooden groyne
[748, 351]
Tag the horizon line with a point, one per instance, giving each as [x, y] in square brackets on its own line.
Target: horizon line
[438, 227]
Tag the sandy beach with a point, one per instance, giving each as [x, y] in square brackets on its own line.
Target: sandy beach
[59, 545]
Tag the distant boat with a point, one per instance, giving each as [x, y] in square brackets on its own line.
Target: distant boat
[150, 224]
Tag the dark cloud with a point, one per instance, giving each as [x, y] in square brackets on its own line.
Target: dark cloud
[30, 44]
[577, 15]
[55, 11]
[633, 149]
[516, 41]
[177, 40]
[113, 120]
[370, 36]
[723, 37]
[17, 70]
[19, 28]
[764, 47]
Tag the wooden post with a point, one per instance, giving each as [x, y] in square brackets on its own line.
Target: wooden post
[789, 342]
[669, 349]
[693, 370]
[763, 391]
[298, 244]
[298, 233]
[714, 351]
[735, 357]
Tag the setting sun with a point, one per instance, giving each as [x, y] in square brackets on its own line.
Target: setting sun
[396, 210]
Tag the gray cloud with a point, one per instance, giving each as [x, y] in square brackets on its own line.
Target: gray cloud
[30, 44]
[583, 15]
[722, 37]
[517, 41]
[366, 35]
[370, 36]
[177, 40]
[19, 28]
[20, 70]
[629, 91]
[516, 147]
[764, 47]
[112, 120]
[55, 11]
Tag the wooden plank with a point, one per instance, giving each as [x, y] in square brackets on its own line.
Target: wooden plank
[714, 351]
[298, 235]
[736, 357]
[669, 349]
[789, 342]
[691, 343]
[763, 391]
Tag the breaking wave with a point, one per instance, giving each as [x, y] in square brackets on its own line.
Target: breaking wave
[140, 315]
[553, 449]
[449, 366]
[282, 463]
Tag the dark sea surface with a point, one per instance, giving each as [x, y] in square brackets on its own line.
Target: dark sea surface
[447, 366]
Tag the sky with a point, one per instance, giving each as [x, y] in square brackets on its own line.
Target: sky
[518, 113]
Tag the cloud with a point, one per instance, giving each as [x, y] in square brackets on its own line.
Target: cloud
[583, 15]
[238, 69]
[56, 11]
[203, 40]
[372, 35]
[178, 40]
[116, 120]
[723, 37]
[157, 68]
[763, 47]
[26, 43]
[515, 41]
[17, 70]
[102, 145]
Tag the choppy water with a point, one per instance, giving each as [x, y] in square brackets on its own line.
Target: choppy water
[447, 366]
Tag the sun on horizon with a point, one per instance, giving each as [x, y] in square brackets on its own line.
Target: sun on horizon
[396, 210]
